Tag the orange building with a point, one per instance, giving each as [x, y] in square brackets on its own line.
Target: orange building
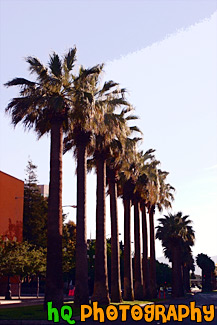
[11, 207]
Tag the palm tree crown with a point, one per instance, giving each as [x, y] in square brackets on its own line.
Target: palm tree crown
[177, 236]
[44, 105]
[175, 229]
[46, 99]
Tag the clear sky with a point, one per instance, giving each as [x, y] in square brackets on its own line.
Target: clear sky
[164, 53]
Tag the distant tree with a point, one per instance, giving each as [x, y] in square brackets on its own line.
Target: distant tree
[91, 247]
[208, 266]
[21, 259]
[69, 242]
[163, 274]
[35, 209]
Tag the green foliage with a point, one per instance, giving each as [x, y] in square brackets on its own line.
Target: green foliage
[69, 242]
[21, 259]
[205, 263]
[175, 230]
[46, 100]
[208, 266]
[164, 274]
[23, 312]
[35, 209]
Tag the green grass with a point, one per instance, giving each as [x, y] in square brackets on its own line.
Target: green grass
[28, 312]
[36, 312]
[135, 302]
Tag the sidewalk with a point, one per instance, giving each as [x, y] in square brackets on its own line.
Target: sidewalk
[24, 301]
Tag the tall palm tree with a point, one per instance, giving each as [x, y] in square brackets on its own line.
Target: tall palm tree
[128, 175]
[160, 196]
[44, 105]
[108, 128]
[79, 136]
[115, 249]
[114, 162]
[148, 163]
[145, 265]
[175, 231]
[150, 198]
[187, 265]
[138, 286]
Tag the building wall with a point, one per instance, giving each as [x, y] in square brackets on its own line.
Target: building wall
[11, 207]
[44, 190]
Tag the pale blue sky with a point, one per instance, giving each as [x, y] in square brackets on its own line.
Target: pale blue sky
[164, 53]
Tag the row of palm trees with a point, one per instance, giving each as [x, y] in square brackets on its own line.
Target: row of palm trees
[96, 122]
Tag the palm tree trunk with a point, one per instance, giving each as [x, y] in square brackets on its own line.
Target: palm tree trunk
[81, 275]
[145, 266]
[54, 279]
[138, 291]
[115, 249]
[153, 284]
[101, 293]
[186, 277]
[128, 278]
[177, 279]
[38, 286]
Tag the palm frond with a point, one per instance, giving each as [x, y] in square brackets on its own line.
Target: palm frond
[132, 117]
[55, 65]
[70, 58]
[19, 82]
[38, 68]
[135, 129]
[107, 86]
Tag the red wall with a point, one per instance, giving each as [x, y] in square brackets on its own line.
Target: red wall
[11, 207]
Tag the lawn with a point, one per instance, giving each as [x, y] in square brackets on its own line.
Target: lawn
[28, 312]
[36, 312]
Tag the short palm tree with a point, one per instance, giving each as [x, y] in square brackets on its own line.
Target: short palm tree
[44, 105]
[175, 231]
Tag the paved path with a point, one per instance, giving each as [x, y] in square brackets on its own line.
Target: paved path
[24, 301]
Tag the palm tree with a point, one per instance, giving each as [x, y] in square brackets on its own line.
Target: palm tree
[145, 265]
[127, 180]
[44, 105]
[138, 286]
[79, 135]
[150, 198]
[175, 231]
[187, 265]
[160, 196]
[108, 128]
[115, 249]
[114, 163]
[147, 164]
